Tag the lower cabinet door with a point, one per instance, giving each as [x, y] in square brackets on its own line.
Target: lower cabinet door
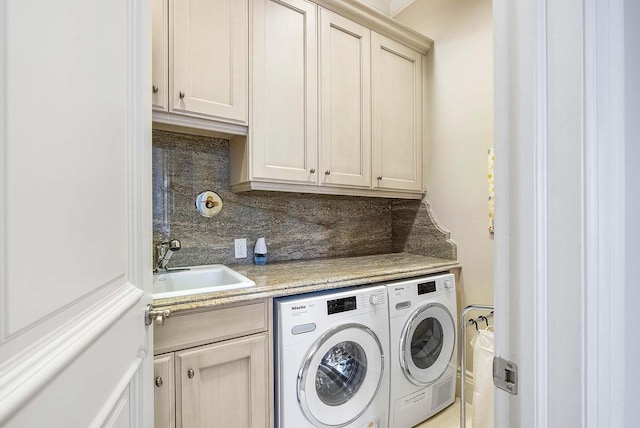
[164, 396]
[223, 385]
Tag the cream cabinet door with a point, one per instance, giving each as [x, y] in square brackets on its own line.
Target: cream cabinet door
[160, 54]
[208, 55]
[397, 115]
[164, 397]
[345, 91]
[223, 385]
[284, 120]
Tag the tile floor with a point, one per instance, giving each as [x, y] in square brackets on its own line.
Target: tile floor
[448, 418]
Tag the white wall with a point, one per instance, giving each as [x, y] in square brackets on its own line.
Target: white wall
[383, 6]
[460, 118]
[398, 6]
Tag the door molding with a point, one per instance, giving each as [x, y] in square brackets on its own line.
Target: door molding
[128, 389]
[541, 220]
[29, 371]
[535, 96]
[604, 328]
[515, 148]
[538, 127]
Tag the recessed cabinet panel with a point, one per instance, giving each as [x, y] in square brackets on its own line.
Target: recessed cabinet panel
[209, 58]
[284, 110]
[160, 54]
[223, 385]
[397, 115]
[345, 125]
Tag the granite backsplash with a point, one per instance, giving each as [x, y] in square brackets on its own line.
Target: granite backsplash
[295, 225]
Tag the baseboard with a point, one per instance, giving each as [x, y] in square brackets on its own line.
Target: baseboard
[468, 386]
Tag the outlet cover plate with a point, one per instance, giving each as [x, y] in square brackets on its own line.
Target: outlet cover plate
[241, 248]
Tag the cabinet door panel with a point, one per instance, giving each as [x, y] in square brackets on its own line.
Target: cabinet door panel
[209, 58]
[397, 114]
[223, 385]
[164, 398]
[345, 125]
[284, 108]
[160, 54]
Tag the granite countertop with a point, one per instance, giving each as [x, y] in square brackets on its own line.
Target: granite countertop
[303, 276]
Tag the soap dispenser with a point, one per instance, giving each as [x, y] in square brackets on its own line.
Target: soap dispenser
[260, 252]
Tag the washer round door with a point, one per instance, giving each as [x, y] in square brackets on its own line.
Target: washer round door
[340, 375]
[427, 343]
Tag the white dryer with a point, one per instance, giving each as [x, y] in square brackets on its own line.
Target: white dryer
[423, 329]
[331, 362]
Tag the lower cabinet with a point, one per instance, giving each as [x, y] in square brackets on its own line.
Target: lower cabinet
[223, 385]
[164, 399]
[212, 369]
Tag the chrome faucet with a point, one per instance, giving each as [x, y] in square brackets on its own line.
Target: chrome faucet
[165, 251]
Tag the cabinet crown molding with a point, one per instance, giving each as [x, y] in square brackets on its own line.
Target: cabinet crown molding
[375, 20]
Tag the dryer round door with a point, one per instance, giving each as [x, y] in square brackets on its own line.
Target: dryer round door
[427, 343]
[340, 375]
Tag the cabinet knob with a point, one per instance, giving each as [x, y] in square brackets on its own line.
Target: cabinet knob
[191, 373]
[181, 94]
[312, 170]
[155, 89]
[159, 382]
[379, 177]
[327, 172]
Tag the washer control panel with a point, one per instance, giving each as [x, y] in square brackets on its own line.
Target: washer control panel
[427, 287]
[343, 304]
[405, 294]
[299, 315]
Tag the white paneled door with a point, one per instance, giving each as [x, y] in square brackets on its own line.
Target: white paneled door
[566, 239]
[75, 210]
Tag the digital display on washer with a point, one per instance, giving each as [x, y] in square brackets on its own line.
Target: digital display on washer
[341, 305]
[426, 287]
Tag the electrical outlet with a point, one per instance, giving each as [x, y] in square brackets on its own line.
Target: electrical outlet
[241, 248]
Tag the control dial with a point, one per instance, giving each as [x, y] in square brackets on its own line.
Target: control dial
[448, 284]
[374, 299]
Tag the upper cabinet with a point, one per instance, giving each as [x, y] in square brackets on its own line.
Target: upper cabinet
[345, 102]
[208, 54]
[284, 112]
[322, 96]
[203, 68]
[160, 54]
[397, 115]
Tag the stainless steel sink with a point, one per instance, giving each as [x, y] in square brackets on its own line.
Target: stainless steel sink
[197, 280]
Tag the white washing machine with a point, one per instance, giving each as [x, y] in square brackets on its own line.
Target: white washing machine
[331, 362]
[423, 329]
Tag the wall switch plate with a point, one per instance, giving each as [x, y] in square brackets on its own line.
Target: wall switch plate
[241, 248]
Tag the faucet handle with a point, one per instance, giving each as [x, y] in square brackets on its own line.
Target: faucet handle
[174, 244]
